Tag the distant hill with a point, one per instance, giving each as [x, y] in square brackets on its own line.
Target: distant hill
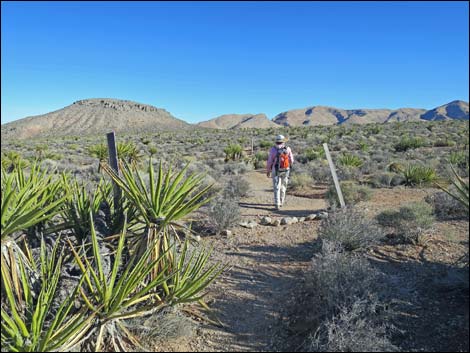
[239, 121]
[322, 115]
[101, 115]
[453, 110]
[94, 116]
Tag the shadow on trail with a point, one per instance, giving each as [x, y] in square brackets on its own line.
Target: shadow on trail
[432, 307]
[255, 292]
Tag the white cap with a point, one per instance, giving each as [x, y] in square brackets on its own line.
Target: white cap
[280, 138]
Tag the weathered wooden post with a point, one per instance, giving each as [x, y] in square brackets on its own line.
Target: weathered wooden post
[113, 162]
[333, 174]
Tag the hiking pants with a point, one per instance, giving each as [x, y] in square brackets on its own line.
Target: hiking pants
[280, 186]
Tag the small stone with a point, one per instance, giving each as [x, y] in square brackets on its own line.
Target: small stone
[249, 225]
[226, 232]
[311, 217]
[266, 221]
[301, 219]
[197, 238]
[287, 220]
[276, 222]
[295, 220]
[323, 215]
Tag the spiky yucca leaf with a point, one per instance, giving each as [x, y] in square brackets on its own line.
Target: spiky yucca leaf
[26, 202]
[120, 295]
[79, 204]
[191, 276]
[34, 325]
[461, 193]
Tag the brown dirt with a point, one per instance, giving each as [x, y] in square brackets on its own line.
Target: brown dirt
[255, 299]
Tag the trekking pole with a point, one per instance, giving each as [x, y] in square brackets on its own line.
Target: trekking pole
[333, 174]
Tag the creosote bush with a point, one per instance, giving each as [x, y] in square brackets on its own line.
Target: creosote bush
[347, 303]
[223, 213]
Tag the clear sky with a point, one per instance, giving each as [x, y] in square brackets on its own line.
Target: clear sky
[199, 60]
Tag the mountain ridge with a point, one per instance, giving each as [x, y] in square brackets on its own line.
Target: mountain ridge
[100, 115]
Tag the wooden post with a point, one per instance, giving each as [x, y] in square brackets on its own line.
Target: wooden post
[113, 162]
[333, 174]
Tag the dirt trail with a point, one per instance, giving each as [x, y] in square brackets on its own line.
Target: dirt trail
[267, 263]
[261, 199]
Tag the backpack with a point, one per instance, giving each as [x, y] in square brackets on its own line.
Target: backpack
[282, 160]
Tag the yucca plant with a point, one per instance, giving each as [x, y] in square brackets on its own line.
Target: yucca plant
[168, 199]
[121, 295]
[30, 322]
[12, 160]
[418, 175]
[129, 152]
[461, 193]
[79, 204]
[350, 160]
[99, 151]
[26, 202]
[233, 152]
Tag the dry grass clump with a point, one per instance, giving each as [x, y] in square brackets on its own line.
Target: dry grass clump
[350, 228]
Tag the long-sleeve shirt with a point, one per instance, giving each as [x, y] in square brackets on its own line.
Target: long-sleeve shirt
[273, 154]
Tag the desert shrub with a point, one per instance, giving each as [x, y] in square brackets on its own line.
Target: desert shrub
[351, 228]
[321, 174]
[397, 179]
[168, 323]
[265, 144]
[444, 142]
[395, 167]
[347, 303]
[349, 173]
[350, 160]
[352, 193]
[418, 175]
[382, 180]
[354, 329]
[310, 154]
[260, 160]
[364, 146]
[446, 206]
[223, 213]
[300, 181]
[236, 168]
[459, 159]
[236, 188]
[369, 167]
[337, 279]
[410, 223]
[408, 142]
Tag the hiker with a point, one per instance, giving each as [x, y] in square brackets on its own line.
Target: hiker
[280, 160]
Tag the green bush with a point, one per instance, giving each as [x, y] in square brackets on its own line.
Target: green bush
[407, 143]
[410, 222]
[300, 181]
[265, 144]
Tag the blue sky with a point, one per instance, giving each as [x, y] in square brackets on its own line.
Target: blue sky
[199, 60]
